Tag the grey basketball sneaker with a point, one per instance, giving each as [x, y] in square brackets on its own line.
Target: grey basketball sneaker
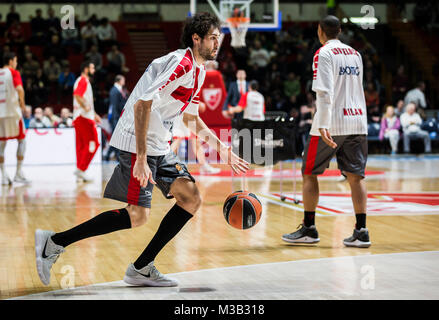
[359, 239]
[46, 253]
[6, 180]
[19, 177]
[148, 276]
[303, 235]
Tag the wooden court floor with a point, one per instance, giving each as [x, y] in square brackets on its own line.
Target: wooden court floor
[403, 193]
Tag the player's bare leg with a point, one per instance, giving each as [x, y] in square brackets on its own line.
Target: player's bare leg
[360, 237]
[21, 148]
[308, 232]
[5, 178]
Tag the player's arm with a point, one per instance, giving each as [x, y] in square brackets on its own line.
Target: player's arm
[18, 85]
[241, 104]
[141, 170]
[81, 101]
[198, 127]
[20, 92]
[323, 85]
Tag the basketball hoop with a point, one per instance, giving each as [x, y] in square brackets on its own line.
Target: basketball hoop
[238, 27]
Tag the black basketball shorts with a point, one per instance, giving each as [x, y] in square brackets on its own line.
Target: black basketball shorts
[351, 154]
[124, 187]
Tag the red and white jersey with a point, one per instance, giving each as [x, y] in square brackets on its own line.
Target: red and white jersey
[253, 104]
[173, 83]
[82, 87]
[338, 83]
[9, 102]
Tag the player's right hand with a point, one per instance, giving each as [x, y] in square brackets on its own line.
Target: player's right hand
[142, 172]
[326, 136]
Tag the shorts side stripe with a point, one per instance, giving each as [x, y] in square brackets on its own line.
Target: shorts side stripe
[133, 185]
[312, 153]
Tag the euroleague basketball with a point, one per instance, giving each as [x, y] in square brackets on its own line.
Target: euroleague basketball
[242, 210]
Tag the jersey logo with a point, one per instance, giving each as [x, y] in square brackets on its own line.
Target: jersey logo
[212, 97]
[353, 71]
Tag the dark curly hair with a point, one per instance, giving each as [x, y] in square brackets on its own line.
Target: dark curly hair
[200, 24]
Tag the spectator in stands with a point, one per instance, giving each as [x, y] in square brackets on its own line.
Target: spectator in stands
[400, 84]
[399, 108]
[411, 125]
[94, 57]
[236, 89]
[14, 35]
[106, 35]
[88, 35]
[228, 68]
[66, 119]
[52, 69]
[39, 120]
[27, 116]
[5, 49]
[417, 96]
[30, 66]
[12, 16]
[54, 119]
[371, 95]
[259, 55]
[292, 85]
[42, 85]
[38, 28]
[370, 79]
[54, 48]
[390, 128]
[70, 39]
[116, 61]
[66, 81]
[53, 24]
[30, 92]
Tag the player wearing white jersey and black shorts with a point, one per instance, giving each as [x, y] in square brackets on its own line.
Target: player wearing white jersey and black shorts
[169, 87]
[11, 119]
[252, 102]
[339, 129]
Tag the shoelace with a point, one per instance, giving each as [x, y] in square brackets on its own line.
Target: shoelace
[155, 273]
[54, 256]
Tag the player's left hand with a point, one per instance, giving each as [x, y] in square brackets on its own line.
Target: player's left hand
[238, 165]
[98, 118]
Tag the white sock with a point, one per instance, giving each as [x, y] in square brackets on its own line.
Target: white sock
[19, 164]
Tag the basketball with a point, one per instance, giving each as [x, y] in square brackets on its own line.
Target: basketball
[242, 210]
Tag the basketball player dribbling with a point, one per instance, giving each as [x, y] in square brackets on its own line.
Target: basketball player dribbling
[169, 87]
[339, 128]
[11, 119]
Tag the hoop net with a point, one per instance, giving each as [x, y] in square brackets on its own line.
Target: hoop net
[238, 27]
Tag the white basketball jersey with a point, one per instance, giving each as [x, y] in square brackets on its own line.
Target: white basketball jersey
[82, 87]
[173, 83]
[9, 102]
[254, 106]
[338, 77]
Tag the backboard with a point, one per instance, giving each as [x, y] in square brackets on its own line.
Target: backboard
[264, 14]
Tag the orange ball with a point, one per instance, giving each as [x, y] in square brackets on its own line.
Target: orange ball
[242, 210]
